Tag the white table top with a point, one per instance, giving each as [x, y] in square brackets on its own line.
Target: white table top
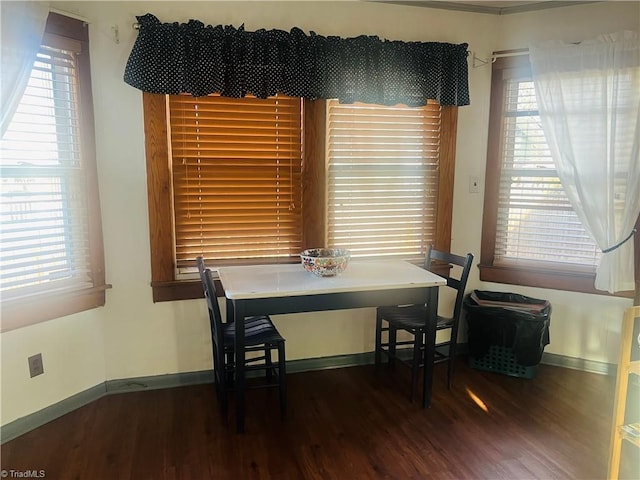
[267, 281]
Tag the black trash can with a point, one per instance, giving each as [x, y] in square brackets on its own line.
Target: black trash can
[507, 332]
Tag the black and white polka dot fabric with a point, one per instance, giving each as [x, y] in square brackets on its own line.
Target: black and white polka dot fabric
[173, 58]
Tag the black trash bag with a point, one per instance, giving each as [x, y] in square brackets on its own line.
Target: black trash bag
[508, 320]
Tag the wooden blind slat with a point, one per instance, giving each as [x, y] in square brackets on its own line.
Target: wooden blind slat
[236, 167]
[383, 178]
[44, 219]
[535, 219]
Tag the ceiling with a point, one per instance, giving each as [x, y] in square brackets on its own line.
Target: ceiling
[492, 7]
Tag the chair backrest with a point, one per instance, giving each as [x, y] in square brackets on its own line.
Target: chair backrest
[215, 316]
[460, 283]
[201, 268]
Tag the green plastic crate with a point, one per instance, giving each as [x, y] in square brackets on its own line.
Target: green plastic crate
[502, 360]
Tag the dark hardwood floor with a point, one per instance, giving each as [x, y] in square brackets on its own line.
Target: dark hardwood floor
[341, 424]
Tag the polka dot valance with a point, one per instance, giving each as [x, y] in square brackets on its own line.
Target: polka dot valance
[192, 58]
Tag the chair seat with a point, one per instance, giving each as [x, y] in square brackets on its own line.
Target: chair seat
[411, 317]
[257, 330]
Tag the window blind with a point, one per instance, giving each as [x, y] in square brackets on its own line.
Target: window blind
[44, 222]
[236, 166]
[535, 219]
[383, 178]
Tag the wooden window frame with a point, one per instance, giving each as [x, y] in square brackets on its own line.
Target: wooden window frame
[551, 276]
[20, 312]
[164, 285]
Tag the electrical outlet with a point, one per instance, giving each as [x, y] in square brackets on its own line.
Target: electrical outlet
[35, 365]
[474, 184]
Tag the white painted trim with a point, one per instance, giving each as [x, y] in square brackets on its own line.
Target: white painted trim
[69, 14]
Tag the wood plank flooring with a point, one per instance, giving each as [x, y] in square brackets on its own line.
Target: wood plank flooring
[348, 423]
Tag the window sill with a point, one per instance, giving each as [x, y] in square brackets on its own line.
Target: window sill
[571, 281]
[177, 290]
[40, 308]
[181, 290]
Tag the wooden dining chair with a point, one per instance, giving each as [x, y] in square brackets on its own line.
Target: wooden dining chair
[261, 336]
[413, 319]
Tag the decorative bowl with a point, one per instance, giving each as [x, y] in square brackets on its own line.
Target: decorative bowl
[325, 262]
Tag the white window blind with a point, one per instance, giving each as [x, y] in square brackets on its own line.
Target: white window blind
[44, 222]
[535, 220]
[383, 178]
[237, 184]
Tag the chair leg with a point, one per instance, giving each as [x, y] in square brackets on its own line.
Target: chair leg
[282, 378]
[393, 336]
[229, 358]
[378, 350]
[415, 364]
[224, 404]
[220, 373]
[452, 363]
[268, 363]
[216, 371]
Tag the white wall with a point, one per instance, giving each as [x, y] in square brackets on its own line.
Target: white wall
[133, 337]
[73, 356]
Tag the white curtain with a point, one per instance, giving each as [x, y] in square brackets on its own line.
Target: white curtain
[22, 25]
[589, 101]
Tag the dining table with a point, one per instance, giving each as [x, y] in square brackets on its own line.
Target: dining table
[288, 288]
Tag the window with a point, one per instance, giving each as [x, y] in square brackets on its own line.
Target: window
[530, 235]
[383, 176]
[52, 257]
[268, 190]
